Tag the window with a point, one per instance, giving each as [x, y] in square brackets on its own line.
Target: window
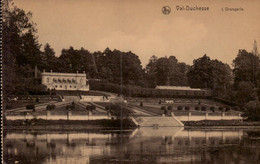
[70, 86]
[74, 86]
[60, 86]
[56, 86]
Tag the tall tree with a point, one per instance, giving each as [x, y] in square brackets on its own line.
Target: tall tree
[125, 66]
[200, 74]
[211, 74]
[20, 48]
[150, 72]
[246, 68]
[166, 71]
[48, 58]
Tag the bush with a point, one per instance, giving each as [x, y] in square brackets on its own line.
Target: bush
[197, 108]
[227, 109]
[179, 107]
[73, 106]
[212, 109]
[118, 110]
[141, 103]
[50, 107]
[220, 108]
[252, 113]
[163, 108]
[68, 107]
[108, 108]
[92, 107]
[8, 107]
[187, 108]
[170, 107]
[30, 106]
[203, 108]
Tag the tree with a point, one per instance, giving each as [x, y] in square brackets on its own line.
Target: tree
[150, 72]
[122, 67]
[20, 49]
[211, 74]
[247, 75]
[246, 68]
[252, 111]
[166, 71]
[200, 74]
[244, 92]
[48, 59]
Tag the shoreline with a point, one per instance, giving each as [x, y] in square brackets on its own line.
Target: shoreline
[127, 124]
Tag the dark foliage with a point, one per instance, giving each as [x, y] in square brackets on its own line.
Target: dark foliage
[187, 108]
[179, 107]
[203, 108]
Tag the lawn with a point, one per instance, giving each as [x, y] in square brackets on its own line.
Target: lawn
[155, 107]
[23, 103]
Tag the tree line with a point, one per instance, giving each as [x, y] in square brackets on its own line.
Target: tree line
[22, 56]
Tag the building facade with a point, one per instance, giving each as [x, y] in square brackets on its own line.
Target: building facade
[186, 91]
[65, 81]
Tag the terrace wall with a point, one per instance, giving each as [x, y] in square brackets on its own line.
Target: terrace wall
[69, 116]
[222, 116]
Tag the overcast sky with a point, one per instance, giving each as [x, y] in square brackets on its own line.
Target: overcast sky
[139, 26]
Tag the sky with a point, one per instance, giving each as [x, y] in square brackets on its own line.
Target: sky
[141, 27]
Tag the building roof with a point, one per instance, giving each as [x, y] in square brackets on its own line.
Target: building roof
[63, 74]
[178, 88]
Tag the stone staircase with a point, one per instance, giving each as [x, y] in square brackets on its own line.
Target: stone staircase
[156, 121]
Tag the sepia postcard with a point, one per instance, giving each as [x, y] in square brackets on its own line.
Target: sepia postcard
[130, 81]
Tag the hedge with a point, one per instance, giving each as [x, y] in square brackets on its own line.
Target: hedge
[137, 91]
[30, 106]
[170, 107]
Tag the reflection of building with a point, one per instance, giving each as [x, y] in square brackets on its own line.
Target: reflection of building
[65, 81]
[143, 145]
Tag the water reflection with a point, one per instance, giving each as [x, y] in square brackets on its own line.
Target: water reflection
[144, 145]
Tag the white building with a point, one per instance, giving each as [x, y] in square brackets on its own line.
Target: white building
[65, 81]
[185, 88]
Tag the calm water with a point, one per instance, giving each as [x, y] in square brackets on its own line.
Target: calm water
[144, 145]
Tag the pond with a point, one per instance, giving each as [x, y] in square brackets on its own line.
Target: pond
[144, 145]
